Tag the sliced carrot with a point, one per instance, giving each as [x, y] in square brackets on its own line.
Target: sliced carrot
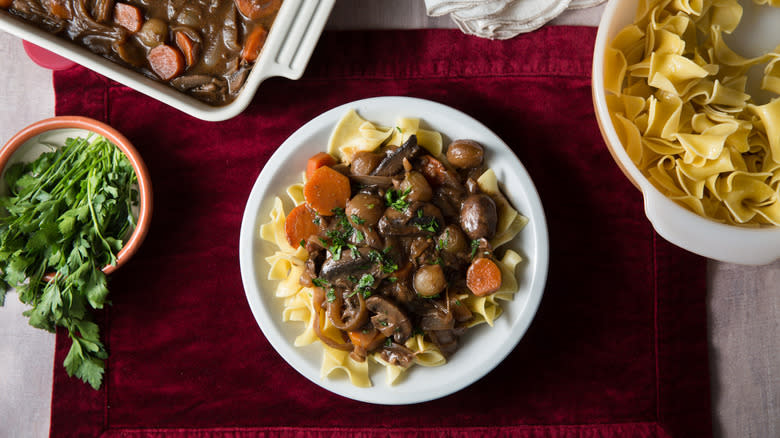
[188, 47]
[317, 161]
[368, 339]
[128, 16]
[326, 190]
[483, 277]
[166, 61]
[60, 9]
[254, 42]
[5, 4]
[256, 9]
[299, 225]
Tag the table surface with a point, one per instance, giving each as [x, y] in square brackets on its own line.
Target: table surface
[743, 302]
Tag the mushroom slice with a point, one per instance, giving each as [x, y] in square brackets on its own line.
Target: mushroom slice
[394, 163]
[389, 319]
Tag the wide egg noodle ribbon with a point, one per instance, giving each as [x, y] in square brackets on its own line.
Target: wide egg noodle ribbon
[698, 137]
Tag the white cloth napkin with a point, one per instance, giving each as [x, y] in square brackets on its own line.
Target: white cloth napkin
[502, 19]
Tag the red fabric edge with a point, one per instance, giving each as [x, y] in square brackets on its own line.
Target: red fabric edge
[634, 430]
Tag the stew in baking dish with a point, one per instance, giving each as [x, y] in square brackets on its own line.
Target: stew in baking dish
[205, 48]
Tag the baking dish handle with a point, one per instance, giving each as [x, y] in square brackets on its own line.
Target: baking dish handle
[305, 22]
[727, 243]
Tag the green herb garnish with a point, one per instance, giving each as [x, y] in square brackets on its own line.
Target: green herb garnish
[474, 247]
[443, 241]
[396, 199]
[357, 219]
[364, 286]
[431, 226]
[383, 260]
[67, 214]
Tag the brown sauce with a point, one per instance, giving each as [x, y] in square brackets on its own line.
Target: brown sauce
[204, 48]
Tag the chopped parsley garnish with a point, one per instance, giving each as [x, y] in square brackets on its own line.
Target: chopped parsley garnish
[359, 236]
[443, 241]
[320, 282]
[302, 243]
[330, 293]
[431, 226]
[474, 247]
[400, 131]
[357, 219]
[389, 342]
[383, 260]
[383, 323]
[364, 285]
[396, 199]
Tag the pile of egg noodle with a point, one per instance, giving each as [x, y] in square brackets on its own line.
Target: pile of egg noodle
[351, 135]
[679, 106]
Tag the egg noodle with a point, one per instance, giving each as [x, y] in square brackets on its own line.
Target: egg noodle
[679, 106]
[351, 135]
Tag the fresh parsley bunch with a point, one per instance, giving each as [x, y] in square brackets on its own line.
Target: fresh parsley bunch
[64, 219]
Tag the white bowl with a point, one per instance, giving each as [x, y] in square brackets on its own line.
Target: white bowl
[728, 243]
[286, 52]
[474, 359]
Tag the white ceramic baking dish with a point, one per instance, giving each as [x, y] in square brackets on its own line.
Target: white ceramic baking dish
[287, 50]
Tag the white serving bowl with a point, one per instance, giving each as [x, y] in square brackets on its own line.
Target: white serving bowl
[286, 52]
[728, 243]
[483, 347]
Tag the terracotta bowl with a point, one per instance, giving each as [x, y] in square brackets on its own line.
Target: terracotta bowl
[25, 146]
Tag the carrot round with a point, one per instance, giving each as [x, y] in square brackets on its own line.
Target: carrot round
[318, 160]
[187, 47]
[483, 277]
[326, 190]
[369, 340]
[58, 8]
[5, 4]
[256, 9]
[299, 225]
[166, 61]
[128, 16]
[254, 42]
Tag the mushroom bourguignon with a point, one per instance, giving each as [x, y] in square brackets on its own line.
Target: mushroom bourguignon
[205, 48]
[394, 238]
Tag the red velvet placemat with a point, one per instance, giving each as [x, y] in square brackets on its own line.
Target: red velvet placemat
[618, 347]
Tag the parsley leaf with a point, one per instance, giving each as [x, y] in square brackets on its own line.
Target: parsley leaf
[397, 199]
[66, 214]
[443, 241]
[364, 286]
[474, 247]
[383, 260]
